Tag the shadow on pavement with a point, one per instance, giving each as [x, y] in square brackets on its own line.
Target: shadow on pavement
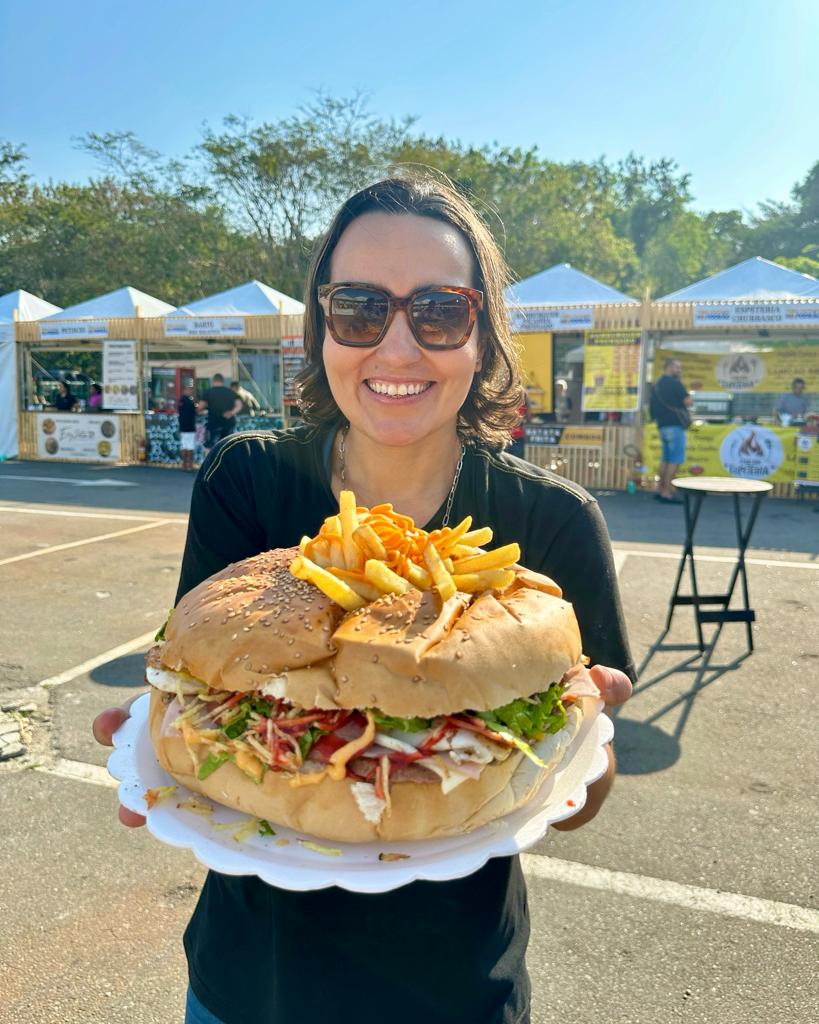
[129, 670]
[643, 748]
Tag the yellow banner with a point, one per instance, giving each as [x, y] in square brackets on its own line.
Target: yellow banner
[536, 354]
[738, 372]
[729, 449]
[807, 458]
[611, 371]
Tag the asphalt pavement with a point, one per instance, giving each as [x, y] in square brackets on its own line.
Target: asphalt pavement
[691, 897]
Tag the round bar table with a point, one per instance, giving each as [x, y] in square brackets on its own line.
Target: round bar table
[694, 490]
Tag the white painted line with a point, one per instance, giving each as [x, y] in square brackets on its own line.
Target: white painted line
[619, 560]
[78, 515]
[727, 559]
[89, 540]
[101, 482]
[79, 771]
[100, 659]
[690, 897]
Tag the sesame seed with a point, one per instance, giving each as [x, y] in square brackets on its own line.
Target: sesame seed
[234, 637]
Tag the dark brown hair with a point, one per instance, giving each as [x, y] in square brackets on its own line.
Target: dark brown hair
[491, 408]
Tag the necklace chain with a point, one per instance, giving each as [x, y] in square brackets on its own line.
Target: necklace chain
[342, 472]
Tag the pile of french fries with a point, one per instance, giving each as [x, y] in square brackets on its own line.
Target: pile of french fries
[361, 554]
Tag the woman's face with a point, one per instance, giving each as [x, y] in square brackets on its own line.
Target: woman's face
[401, 252]
[63, 388]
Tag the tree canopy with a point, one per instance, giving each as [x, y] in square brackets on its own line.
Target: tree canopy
[250, 201]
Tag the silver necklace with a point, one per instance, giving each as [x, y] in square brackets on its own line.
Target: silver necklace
[342, 472]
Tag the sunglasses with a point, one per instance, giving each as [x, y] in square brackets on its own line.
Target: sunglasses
[440, 317]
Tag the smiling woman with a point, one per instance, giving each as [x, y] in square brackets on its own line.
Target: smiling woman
[410, 392]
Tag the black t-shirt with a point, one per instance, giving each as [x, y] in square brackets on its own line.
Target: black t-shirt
[431, 952]
[219, 400]
[667, 397]
[187, 414]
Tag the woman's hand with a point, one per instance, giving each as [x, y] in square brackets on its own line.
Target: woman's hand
[104, 726]
[615, 688]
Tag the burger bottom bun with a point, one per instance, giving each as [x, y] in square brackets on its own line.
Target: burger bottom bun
[328, 809]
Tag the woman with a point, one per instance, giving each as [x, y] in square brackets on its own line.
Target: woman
[94, 398]
[66, 400]
[409, 394]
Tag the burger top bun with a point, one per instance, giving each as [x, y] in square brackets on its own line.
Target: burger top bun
[254, 624]
[250, 621]
[406, 657]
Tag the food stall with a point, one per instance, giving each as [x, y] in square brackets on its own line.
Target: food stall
[16, 305]
[742, 337]
[99, 340]
[581, 344]
[251, 334]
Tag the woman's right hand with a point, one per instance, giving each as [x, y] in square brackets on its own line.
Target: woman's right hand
[104, 726]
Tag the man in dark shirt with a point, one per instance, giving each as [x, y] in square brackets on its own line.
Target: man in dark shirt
[186, 408]
[669, 408]
[222, 406]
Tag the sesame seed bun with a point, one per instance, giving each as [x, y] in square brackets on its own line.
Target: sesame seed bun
[405, 655]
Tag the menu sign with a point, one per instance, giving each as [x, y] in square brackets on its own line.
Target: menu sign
[119, 375]
[292, 364]
[78, 438]
[611, 371]
[205, 326]
[568, 437]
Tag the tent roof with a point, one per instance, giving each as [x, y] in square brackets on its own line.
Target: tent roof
[123, 302]
[756, 278]
[28, 306]
[562, 285]
[248, 299]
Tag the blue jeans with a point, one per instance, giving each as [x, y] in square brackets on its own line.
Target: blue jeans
[673, 439]
[196, 1013]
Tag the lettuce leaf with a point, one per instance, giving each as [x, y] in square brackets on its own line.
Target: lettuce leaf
[530, 718]
[400, 724]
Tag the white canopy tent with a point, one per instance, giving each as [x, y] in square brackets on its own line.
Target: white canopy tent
[17, 305]
[756, 279]
[251, 299]
[124, 302]
[562, 285]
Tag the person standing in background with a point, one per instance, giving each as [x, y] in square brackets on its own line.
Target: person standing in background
[65, 399]
[186, 409]
[249, 403]
[669, 408]
[792, 406]
[94, 398]
[221, 405]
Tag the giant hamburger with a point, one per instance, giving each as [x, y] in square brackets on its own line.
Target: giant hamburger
[307, 694]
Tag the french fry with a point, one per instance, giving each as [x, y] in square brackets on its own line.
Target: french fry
[303, 544]
[477, 538]
[454, 537]
[418, 576]
[381, 576]
[356, 582]
[488, 579]
[319, 552]
[440, 577]
[369, 542]
[336, 589]
[331, 527]
[353, 558]
[500, 558]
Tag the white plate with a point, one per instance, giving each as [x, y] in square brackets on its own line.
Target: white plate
[294, 866]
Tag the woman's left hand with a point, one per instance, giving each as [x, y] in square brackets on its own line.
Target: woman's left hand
[615, 688]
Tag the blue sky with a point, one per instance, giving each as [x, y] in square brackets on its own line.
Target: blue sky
[727, 88]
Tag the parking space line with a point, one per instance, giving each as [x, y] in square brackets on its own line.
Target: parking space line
[89, 540]
[100, 659]
[78, 515]
[727, 559]
[80, 771]
[689, 897]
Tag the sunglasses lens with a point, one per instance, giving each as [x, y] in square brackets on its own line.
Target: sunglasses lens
[441, 319]
[358, 315]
